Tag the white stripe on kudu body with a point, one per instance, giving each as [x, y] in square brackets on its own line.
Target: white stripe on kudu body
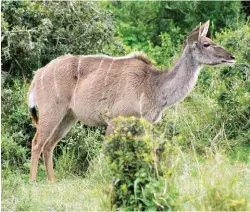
[107, 74]
[78, 79]
[131, 85]
[94, 79]
[119, 84]
[55, 83]
[42, 78]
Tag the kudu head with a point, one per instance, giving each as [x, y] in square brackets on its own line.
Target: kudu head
[204, 50]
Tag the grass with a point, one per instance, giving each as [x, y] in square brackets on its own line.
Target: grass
[213, 183]
[70, 193]
[208, 182]
[209, 170]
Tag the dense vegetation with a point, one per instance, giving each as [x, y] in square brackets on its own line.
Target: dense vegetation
[202, 160]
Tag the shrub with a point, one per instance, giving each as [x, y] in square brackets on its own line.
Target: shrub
[234, 96]
[34, 33]
[230, 86]
[133, 153]
[138, 23]
[17, 131]
[166, 52]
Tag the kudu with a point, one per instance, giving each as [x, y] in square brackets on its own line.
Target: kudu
[96, 89]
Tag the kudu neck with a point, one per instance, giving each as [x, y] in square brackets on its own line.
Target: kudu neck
[177, 83]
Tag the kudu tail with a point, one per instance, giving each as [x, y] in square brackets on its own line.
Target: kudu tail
[32, 104]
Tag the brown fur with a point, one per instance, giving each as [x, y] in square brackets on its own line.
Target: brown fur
[96, 89]
[143, 57]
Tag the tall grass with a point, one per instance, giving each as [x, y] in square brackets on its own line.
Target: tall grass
[70, 193]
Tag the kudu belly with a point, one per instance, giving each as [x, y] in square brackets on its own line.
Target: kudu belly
[96, 106]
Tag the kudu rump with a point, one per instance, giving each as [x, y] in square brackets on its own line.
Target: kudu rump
[96, 89]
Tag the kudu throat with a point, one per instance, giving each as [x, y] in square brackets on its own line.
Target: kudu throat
[176, 84]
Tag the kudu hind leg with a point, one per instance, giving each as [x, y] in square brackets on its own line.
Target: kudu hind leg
[35, 154]
[61, 130]
[48, 121]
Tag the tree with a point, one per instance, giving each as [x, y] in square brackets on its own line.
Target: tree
[33, 33]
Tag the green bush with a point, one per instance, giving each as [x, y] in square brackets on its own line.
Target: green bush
[138, 22]
[34, 33]
[17, 132]
[234, 96]
[133, 154]
[229, 87]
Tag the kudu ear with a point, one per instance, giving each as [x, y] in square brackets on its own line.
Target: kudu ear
[194, 35]
[204, 29]
[199, 30]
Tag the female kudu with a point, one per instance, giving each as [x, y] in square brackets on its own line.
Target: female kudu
[96, 89]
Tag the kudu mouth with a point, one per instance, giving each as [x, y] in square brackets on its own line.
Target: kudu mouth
[228, 61]
[231, 60]
[223, 62]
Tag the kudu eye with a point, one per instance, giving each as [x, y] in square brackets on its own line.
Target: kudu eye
[206, 44]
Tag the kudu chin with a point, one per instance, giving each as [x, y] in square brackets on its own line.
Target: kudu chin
[96, 89]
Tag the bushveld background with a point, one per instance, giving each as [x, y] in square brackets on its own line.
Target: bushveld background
[203, 162]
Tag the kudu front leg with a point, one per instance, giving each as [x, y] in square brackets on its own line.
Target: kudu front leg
[110, 128]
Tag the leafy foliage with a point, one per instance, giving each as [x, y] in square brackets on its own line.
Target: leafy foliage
[34, 33]
[234, 96]
[132, 153]
[16, 126]
[141, 22]
[229, 86]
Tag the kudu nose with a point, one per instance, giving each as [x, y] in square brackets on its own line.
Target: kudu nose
[232, 57]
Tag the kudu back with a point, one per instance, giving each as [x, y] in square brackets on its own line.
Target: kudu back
[96, 89]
